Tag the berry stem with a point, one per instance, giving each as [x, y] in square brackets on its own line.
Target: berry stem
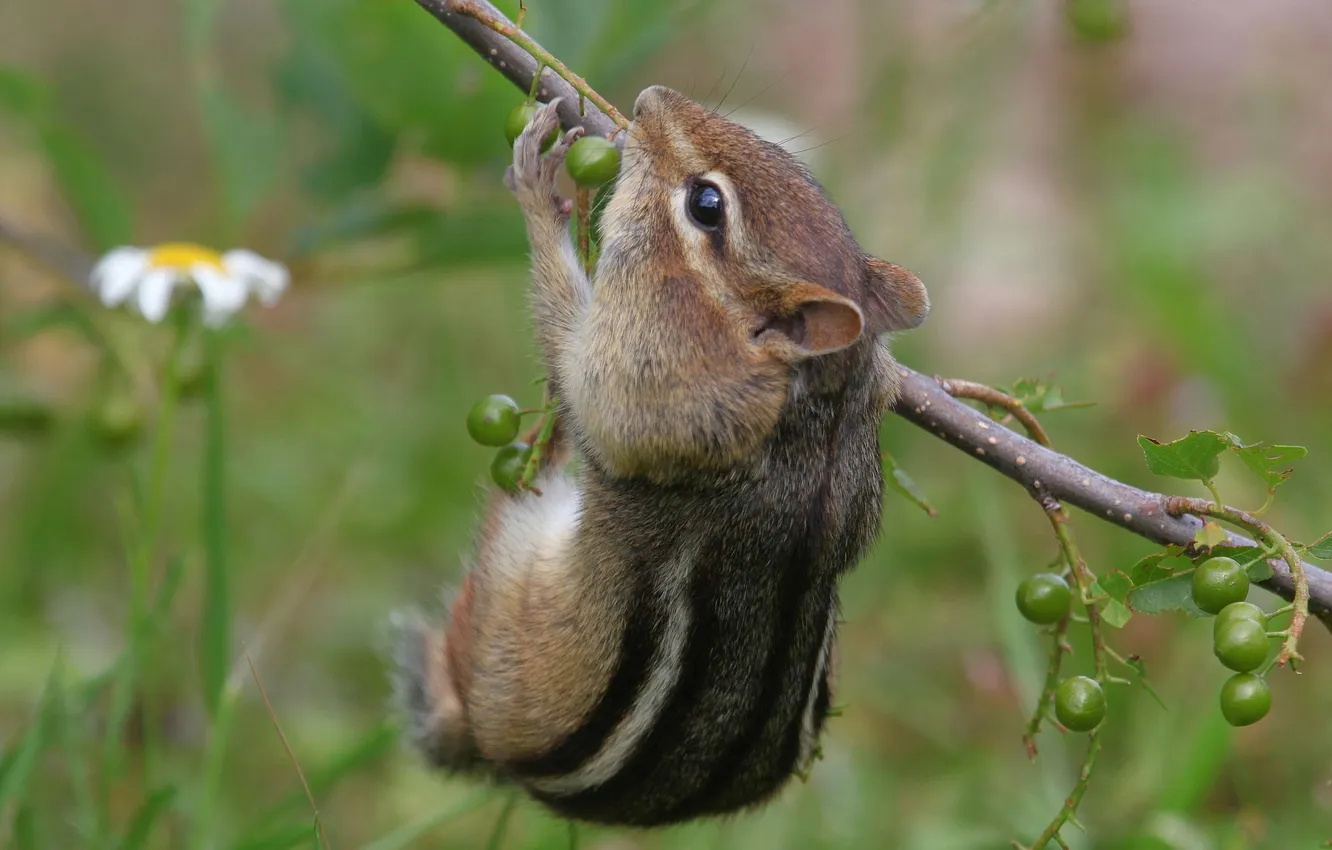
[1275, 541]
[1082, 575]
[535, 461]
[1048, 689]
[536, 78]
[544, 57]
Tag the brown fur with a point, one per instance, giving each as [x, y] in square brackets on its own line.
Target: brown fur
[722, 389]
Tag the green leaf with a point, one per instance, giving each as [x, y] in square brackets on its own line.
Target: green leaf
[1271, 463]
[1155, 567]
[215, 638]
[1322, 547]
[21, 759]
[1211, 534]
[1116, 613]
[1116, 584]
[246, 146]
[904, 485]
[356, 151]
[1040, 396]
[1139, 667]
[141, 825]
[412, 79]
[1195, 457]
[97, 200]
[1168, 594]
[22, 95]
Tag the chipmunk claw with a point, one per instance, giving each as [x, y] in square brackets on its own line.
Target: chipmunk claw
[532, 176]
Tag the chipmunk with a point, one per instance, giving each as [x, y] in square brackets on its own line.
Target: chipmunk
[650, 640]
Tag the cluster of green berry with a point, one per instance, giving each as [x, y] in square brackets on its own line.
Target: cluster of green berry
[1239, 638]
[494, 421]
[591, 161]
[1044, 599]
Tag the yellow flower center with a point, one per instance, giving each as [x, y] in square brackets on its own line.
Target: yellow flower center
[183, 255]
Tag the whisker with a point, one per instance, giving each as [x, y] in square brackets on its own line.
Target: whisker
[738, 75]
[816, 147]
[759, 94]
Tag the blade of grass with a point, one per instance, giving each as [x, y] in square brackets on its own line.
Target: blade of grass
[283, 838]
[22, 760]
[25, 829]
[404, 835]
[145, 818]
[502, 823]
[78, 755]
[215, 637]
[204, 833]
[373, 746]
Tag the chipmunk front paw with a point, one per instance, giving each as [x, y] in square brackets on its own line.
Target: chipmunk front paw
[531, 178]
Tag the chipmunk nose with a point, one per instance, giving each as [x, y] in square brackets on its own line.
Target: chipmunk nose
[647, 100]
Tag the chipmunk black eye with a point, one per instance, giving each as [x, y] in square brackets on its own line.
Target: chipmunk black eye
[705, 205]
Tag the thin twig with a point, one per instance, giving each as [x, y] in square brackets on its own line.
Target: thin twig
[291, 755]
[516, 55]
[959, 388]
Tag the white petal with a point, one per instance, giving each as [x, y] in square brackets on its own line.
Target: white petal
[115, 275]
[222, 293]
[155, 293]
[268, 279]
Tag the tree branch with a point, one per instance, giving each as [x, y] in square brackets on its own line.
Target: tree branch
[515, 63]
[924, 401]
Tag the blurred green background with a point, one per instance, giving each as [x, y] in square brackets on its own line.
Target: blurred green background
[1136, 198]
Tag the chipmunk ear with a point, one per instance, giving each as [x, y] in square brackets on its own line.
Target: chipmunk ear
[813, 320]
[896, 300]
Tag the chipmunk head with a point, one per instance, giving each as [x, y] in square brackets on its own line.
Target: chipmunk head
[748, 223]
[723, 271]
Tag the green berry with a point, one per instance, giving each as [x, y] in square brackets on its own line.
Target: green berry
[1044, 598]
[1245, 699]
[1238, 611]
[493, 421]
[518, 119]
[592, 161]
[1241, 645]
[118, 419]
[506, 470]
[1080, 703]
[1218, 582]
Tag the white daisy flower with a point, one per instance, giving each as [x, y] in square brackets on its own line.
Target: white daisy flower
[146, 277]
